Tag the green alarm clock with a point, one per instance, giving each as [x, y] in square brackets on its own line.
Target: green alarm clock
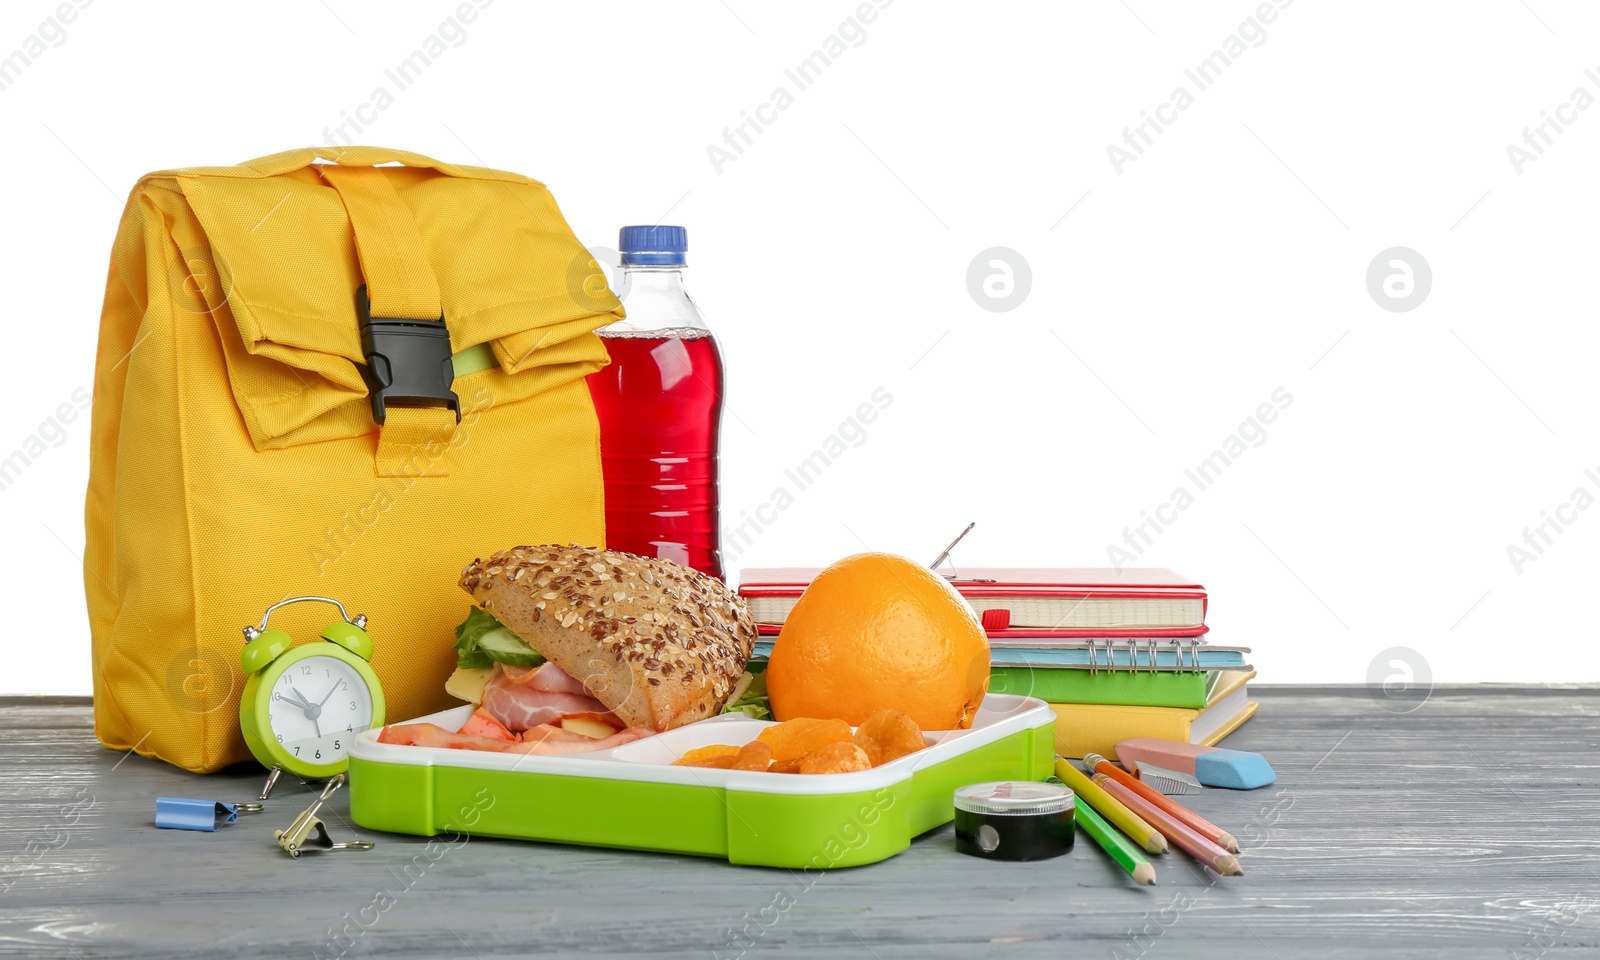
[303, 706]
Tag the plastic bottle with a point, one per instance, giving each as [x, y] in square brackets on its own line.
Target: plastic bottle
[660, 408]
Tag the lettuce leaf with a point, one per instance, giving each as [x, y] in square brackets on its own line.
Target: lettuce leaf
[468, 633]
[754, 699]
[481, 641]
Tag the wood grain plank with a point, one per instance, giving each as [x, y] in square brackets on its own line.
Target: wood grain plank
[1468, 827]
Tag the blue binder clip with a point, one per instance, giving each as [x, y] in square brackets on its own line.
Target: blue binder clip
[178, 813]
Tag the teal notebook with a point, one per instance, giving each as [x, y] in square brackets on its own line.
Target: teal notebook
[1147, 689]
[1120, 655]
[1148, 673]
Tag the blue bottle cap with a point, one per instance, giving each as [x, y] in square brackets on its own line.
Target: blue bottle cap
[653, 245]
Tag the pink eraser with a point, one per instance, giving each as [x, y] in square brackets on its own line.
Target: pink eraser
[1212, 766]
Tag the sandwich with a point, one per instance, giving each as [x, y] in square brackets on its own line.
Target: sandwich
[570, 648]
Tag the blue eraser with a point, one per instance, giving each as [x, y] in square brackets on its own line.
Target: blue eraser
[1234, 769]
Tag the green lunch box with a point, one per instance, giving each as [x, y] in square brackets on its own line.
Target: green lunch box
[632, 796]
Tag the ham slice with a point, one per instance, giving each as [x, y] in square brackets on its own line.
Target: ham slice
[433, 735]
[519, 698]
[559, 742]
[480, 724]
[547, 677]
[554, 734]
[529, 700]
[548, 741]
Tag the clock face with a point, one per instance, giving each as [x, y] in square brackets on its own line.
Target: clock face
[317, 707]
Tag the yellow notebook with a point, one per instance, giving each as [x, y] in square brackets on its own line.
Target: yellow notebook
[1097, 728]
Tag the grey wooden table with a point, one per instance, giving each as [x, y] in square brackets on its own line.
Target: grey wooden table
[1467, 827]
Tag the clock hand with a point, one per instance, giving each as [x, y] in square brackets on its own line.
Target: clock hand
[306, 706]
[314, 710]
[330, 693]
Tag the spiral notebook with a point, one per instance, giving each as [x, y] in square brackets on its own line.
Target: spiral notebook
[1166, 672]
[1155, 672]
[1115, 654]
[1099, 655]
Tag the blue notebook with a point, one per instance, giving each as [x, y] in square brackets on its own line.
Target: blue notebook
[1119, 658]
[1100, 654]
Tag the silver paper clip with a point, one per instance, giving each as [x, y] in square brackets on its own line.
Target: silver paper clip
[308, 832]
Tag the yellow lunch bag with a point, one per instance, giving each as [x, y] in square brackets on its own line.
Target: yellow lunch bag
[346, 379]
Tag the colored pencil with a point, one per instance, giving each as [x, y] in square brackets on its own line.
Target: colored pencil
[1185, 837]
[1107, 806]
[1202, 826]
[1119, 847]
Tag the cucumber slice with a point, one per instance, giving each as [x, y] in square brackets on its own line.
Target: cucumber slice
[508, 648]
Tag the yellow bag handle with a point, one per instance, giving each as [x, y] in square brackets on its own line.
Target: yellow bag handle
[278, 164]
[290, 160]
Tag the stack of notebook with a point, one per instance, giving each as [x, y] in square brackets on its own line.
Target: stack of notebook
[1117, 654]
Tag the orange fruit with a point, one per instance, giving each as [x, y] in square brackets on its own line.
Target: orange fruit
[874, 632]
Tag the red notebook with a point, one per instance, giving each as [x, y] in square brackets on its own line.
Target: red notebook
[1030, 602]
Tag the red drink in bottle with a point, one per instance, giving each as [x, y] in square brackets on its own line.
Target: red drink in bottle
[659, 403]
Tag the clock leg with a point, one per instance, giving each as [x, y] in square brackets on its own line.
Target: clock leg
[272, 781]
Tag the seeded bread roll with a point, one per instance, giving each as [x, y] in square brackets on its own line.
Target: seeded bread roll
[660, 644]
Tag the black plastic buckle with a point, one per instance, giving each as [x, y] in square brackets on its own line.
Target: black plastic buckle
[408, 361]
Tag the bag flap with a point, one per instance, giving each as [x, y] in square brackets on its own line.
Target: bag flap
[283, 274]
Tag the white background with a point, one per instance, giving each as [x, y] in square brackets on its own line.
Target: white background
[831, 257]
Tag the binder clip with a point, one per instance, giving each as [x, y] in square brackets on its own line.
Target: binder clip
[179, 813]
[308, 831]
